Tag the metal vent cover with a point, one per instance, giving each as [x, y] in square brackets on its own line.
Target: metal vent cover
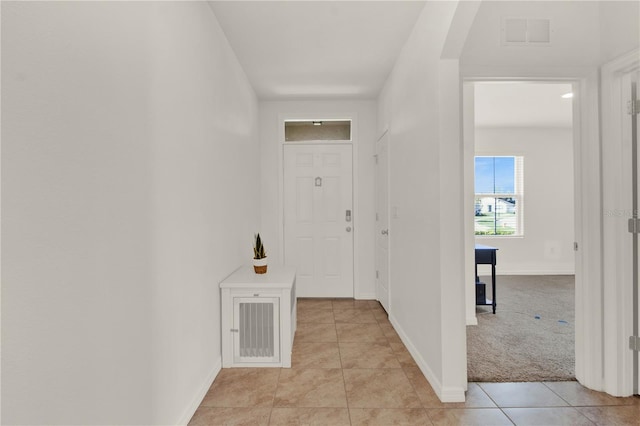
[526, 31]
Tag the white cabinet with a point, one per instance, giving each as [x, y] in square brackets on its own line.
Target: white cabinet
[258, 317]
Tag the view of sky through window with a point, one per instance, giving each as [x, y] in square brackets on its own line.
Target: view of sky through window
[495, 175]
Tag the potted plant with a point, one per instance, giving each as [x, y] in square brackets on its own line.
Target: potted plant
[259, 256]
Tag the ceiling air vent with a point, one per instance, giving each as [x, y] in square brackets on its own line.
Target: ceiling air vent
[526, 32]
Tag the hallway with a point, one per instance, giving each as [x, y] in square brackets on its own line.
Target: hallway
[349, 367]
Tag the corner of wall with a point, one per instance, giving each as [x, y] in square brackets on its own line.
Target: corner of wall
[200, 394]
[445, 393]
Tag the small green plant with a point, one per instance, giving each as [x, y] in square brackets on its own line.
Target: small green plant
[258, 248]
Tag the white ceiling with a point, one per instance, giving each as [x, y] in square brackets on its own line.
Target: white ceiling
[317, 49]
[522, 105]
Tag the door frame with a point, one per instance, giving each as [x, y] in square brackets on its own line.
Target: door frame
[617, 259]
[384, 134]
[323, 116]
[589, 331]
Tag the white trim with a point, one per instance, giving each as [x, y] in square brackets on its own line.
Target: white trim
[282, 117]
[202, 392]
[446, 394]
[365, 296]
[468, 143]
[588, 204]
[588, 232]
[560, 270]
[384, 133]
[617, 260]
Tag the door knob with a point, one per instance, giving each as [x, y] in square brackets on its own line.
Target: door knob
[348, 229]
[385, 232]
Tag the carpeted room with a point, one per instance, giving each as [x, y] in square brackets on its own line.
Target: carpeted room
[531, 336]
[527, 214]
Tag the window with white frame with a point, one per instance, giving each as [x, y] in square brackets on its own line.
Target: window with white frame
[317, 130]
[498, 195]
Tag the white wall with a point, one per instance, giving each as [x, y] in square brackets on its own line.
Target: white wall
[575, 36]
[129, 163]
[419, 106]
[619, 28]
[365, 119]
[584, 33]
[547, 244]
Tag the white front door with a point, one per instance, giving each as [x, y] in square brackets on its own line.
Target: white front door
[318, 218]
[382, 221]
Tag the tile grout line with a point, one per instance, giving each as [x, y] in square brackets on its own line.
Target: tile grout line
[569, 403]
[426, 412]
[275, 392]
[344, 382]
[575, 407]
[506, 415]
[496, 403]
[557, 394]
[607, 405]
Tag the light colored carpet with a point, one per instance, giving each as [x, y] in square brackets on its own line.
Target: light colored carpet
[531, 336]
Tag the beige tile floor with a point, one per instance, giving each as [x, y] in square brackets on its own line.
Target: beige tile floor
[349, 367]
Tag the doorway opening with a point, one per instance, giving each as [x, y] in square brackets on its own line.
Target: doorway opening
[521, 195]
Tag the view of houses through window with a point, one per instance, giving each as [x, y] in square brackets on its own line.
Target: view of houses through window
[498, 195]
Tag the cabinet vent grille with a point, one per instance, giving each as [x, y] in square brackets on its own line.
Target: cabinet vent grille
[256, 330]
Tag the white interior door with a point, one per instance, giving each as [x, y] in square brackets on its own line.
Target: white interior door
[636, 304]
[318, 218]
[631, 190]
[633, 124]
[382, 221]
[618, 364]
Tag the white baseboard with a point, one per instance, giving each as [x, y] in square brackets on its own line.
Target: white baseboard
[528, 269]
[199, 396]
[472, 320]
[445, 393]
[366, 296]
[452, 394]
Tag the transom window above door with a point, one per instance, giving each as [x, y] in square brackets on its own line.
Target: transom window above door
[498, 196]
[317, 130]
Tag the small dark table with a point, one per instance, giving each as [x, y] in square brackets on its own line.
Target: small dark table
[486, 255]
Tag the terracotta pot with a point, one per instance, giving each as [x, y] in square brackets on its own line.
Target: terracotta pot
[260, 265]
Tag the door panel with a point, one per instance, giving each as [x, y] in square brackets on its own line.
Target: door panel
[382, 222]
[331, 200]
[304, 200]
[318, 240]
